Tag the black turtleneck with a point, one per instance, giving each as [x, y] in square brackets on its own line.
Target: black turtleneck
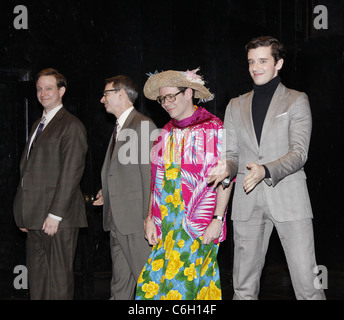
[260, 103]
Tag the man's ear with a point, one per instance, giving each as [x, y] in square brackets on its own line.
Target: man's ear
[62, 91]
[189, 93]
[279, 64]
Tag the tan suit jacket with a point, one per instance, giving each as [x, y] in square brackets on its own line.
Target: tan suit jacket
[283, 149]
[50, 178]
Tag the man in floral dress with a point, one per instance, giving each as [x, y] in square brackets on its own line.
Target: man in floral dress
[186, 218]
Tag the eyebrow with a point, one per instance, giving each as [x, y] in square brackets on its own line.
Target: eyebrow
[258, 59]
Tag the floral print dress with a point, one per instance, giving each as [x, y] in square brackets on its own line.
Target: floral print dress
[180, 267]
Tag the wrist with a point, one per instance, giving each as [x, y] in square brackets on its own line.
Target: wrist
[218, 218]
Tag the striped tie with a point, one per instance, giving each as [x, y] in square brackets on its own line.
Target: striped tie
[114, 136]
[38, 133]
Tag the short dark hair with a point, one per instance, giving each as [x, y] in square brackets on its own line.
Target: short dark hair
[126, 83]
[61, 80]
[277, 48]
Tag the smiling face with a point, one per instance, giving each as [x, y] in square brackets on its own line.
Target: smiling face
[262, 66]
[182, 107]
[48, 94]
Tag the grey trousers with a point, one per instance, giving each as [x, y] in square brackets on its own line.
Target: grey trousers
[129, 254]
[251, 240]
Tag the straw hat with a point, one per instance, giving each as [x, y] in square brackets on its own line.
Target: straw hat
[171, 78]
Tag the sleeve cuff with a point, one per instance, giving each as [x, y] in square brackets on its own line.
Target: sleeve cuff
[267, 172]
[54, 217]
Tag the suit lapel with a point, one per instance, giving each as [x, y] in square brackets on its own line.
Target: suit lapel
[45, 133]
[246, 113]
[49, 128]
[23, 160]
[276, 105]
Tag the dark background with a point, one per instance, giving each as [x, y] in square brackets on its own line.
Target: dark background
[89, 41]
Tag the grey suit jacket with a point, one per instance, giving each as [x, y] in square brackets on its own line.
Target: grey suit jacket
[50, 178]
[283, 149]
[126, 176]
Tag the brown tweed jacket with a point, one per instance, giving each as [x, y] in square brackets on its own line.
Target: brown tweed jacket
[50, 178]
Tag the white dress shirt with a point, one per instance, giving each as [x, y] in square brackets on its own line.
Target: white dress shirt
[122, 118]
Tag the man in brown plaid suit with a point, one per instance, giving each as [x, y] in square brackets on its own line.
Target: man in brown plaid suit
[49, 205]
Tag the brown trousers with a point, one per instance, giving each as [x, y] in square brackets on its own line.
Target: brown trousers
[50, 264]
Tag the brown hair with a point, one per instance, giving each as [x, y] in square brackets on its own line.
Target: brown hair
[61, 81]
[126, 83]
[277, 48]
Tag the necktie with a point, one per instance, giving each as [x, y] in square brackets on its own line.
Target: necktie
[39, 130]
[114, 136]
[38, 133]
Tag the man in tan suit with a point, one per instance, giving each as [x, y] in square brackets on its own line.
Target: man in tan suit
[268, 133]
[49, 205]
[126, 185]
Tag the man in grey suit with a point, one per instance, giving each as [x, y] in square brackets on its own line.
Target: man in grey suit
[268, 133]
[49, 205]
[126, 185]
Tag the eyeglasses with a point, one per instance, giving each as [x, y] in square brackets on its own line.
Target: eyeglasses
[171, 97]
[106, 92]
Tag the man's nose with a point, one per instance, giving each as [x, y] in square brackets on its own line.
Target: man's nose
[255, 66]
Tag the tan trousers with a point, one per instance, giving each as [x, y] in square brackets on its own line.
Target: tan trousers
[251, 240]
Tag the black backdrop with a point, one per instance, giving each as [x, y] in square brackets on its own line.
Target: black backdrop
[89, 41]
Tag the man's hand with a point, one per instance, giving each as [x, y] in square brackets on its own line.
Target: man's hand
[257, 174]
[212, 232]
[217, 174]
[99, 198]
[50, 226]
[150, 231]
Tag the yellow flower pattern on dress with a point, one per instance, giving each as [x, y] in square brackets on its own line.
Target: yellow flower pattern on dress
[205, 265]
[172, 174]
[169, 244]
[194, 246]
[190, 272]
[164, 211]
[151, 289]
[174, 264]
[172, 295]
[180, 243]
[209, 293]
[157, 264]
[199, 261]
[140, 279]
[176, 198]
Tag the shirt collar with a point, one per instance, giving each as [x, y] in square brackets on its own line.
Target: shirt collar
[124, 116]
[48, 116]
